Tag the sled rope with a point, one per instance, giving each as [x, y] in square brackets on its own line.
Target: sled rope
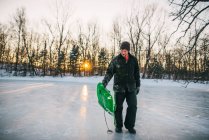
[108, 130]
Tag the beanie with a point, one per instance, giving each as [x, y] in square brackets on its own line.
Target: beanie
[125, 45]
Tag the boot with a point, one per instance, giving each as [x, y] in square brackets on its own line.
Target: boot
[132, 131]
[118, 130]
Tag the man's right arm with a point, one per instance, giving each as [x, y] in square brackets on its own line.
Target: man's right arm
[109, 74]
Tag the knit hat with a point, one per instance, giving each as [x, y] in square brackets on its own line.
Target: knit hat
[125, 45]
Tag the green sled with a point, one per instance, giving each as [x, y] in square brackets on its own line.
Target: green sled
[105, 99]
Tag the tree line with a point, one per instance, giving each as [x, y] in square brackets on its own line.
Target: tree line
[58, 53]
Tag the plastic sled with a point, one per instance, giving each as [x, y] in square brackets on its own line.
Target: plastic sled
[105, 99]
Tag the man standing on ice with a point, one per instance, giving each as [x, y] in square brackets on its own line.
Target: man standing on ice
[125, 69]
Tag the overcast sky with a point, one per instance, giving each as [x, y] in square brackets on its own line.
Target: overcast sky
[102, 11]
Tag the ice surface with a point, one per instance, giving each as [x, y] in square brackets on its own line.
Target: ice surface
[67, 109]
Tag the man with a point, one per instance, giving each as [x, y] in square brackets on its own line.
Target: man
[125, 70]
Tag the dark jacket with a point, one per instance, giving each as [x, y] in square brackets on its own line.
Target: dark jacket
[126, 74]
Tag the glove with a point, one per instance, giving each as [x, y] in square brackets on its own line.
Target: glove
[104, 84]
[137, 90]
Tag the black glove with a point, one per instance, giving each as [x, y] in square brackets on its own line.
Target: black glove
[137, 90]
[104, 84]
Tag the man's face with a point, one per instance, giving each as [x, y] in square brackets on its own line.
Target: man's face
[124, 52]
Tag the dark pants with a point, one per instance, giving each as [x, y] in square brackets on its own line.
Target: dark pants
[131, 110]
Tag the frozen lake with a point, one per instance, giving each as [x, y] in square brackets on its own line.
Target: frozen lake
[68, 110]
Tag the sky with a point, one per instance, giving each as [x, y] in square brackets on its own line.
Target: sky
[85, 11]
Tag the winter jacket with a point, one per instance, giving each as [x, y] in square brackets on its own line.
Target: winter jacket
[126, 74]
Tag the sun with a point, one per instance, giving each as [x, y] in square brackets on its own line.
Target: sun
[86, 65]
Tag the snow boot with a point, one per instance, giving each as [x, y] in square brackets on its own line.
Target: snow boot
[132, 131]
[118, 130]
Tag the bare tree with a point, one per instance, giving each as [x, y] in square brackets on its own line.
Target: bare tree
[3, 43]
[44, 57]
[66, 51]
[188, 12]
[116, 36]
[135, 25]
[50, 40]
[60, 30]
[94, 37]
[83, 43]
[205, 51]
[151, 34]
[18, 24]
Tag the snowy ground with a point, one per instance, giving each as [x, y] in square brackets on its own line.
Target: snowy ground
[67, 109]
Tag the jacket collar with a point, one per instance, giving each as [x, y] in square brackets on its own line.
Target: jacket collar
[130, 55]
